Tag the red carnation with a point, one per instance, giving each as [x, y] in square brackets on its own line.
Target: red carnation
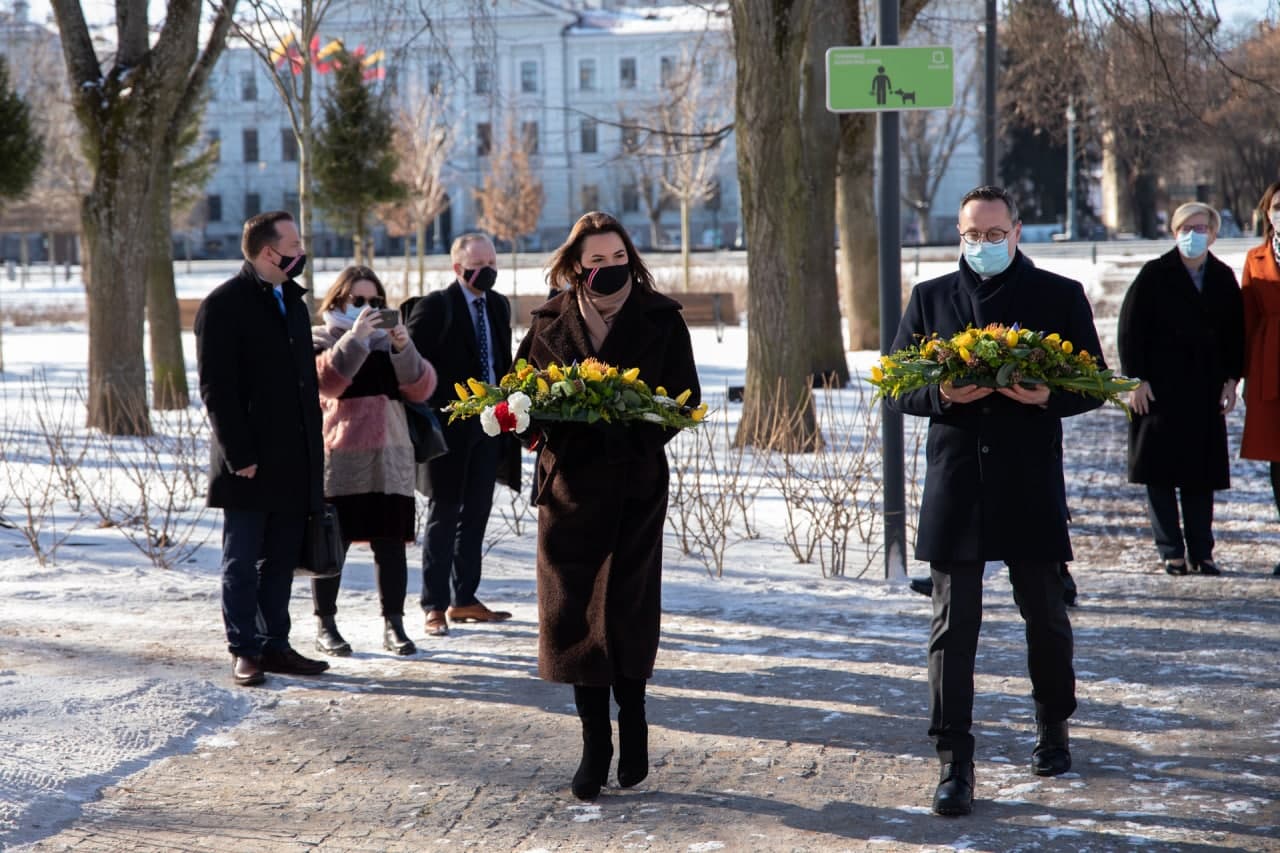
[505, 417]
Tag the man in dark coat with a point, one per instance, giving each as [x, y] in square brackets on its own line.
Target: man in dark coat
[258, 383]
[464, 331]
[1181, 332]
[994, 488]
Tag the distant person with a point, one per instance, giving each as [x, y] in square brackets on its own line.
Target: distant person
[602, 498]
[464, 330]
[1260, 289]
[366, 368]
[258, 382]
[1181, 332]
[994, 489]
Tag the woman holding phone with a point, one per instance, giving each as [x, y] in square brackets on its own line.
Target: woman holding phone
[367, 364]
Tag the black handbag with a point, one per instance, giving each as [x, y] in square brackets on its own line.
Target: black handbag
[424, 432]
[322, 551]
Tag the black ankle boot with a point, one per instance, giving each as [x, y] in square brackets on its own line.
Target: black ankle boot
[328, 640]
[954, 795]
[1052, 754]
[597, 741]
[394, 639]
[633, 732]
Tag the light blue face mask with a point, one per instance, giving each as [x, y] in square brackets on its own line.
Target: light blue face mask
[1192, 244]
[352, 312]
[988, 258]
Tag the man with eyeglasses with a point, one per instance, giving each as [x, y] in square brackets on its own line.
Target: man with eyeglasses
[464, 330]
[994, 488]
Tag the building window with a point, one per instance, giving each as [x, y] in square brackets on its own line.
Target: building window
[529, 136]
[435, 78]
[630, 199]
[291, 203]
[213, 208]
[588, 136]
[213, 139]
[710, 71]
[483, 78]
[630, 138]
[627, 72]
[528, 76]
[252, 204]
[248, 86]
[667, 70]
[484, 139]
[250, 142]
[288, 145]
[590, 197]
[587, 75]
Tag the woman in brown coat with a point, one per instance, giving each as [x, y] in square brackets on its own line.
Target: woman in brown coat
[602, 496]
[1260, 287]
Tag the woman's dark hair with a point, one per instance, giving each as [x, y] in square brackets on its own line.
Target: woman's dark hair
[560, 270]
[1264, 211]
[340, 291]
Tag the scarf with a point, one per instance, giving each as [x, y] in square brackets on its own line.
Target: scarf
[339, 320]
[598, 312]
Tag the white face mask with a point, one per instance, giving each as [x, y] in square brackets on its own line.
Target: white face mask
[1275, 220]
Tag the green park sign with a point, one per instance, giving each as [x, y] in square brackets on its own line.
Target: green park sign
[873, 79]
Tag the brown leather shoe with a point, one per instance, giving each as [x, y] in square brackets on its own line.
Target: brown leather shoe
[437, 624]
[289, 662]
[246, 672]
[477, 613]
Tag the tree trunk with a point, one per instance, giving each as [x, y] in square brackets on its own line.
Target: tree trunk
[514, 277]
[684, 240]
[422, 258]
[859, 260]
[305, 229]
[788, 224]
[168, 364]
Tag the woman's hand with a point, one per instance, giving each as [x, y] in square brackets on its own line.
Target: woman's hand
[1141, 398]
[1228, 398]
[399, 337]
[365, 325]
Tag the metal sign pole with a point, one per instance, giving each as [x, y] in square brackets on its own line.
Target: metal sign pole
[895, 531]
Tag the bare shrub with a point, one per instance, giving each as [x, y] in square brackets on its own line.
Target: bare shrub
[43, 315]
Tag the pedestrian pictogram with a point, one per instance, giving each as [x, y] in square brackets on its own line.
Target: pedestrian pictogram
[889, 78]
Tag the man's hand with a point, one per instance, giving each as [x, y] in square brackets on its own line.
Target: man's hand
[1037, 396]
[1228, 400]
[955, 396]
[1141, 398]
[247, 473]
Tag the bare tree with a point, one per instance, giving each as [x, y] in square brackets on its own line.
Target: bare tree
[424, 141]
[131, 113]
[645, 164]
[929, 140]
[510, 199]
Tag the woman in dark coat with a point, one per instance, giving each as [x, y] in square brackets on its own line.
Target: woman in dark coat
[1182, 333]
[602, 497]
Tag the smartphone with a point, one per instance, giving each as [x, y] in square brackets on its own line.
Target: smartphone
[388, 318]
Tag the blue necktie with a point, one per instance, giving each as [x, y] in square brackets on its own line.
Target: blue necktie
[482, 338]
[280, 300]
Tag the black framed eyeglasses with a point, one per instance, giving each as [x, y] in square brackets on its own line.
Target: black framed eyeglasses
[374, 301]
[992, 235]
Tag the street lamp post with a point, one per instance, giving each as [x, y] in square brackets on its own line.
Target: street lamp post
[1071, 169]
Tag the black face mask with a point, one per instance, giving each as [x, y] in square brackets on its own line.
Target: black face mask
[292, 265]
[482, 279]
[607, 280]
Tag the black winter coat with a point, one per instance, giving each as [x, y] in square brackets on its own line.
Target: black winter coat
[994, 487]
[443, 332]
[603, 497]
[258, 382]
[1186, 344]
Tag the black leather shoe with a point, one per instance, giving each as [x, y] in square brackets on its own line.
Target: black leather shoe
[289, 662]
[954, 795]
[394, 639]
[1172, 568]
[328, 640]
[924, 586]
[246, 672]
[1051, 756]
[1208, 567]
[1275, 573]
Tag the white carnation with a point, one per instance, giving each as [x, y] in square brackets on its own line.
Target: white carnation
[489, 422]
[519, 404]
[522, 421]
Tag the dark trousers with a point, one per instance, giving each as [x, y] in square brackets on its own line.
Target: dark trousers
[455, 532]
[1197, 522]
[953, 646]
[391, 573]
[1275, 483]
[260, 550]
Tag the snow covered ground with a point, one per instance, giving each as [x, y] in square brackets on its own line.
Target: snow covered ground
[109, 664]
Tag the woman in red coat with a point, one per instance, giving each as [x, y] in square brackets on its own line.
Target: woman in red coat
[1260, 287]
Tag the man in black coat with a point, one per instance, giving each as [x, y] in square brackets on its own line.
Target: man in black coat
[464, 330]
[994, 488]
[258, 382]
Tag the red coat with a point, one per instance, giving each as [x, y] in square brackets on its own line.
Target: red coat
[1260, 287]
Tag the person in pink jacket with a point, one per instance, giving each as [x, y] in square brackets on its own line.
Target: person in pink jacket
[366, 366]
